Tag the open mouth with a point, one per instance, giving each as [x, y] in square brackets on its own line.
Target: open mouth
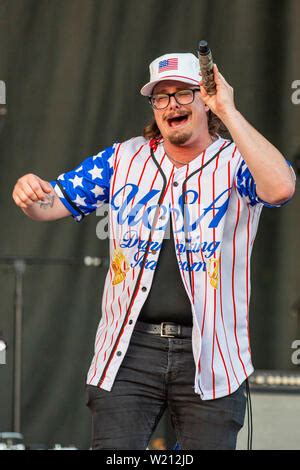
[177, 121]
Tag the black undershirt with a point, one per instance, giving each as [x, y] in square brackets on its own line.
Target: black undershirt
[167, 300]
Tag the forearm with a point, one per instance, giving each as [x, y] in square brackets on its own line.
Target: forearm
[273, 177]
[36, 213]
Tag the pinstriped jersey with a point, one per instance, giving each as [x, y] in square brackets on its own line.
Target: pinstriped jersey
[215, 210]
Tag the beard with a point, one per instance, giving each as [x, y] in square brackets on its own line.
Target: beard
[179, 138]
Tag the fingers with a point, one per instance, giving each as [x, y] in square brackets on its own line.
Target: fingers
[223, 99]
[46, 187]
[203, 92]
[19, 202]
[218, 76]
[30, 189]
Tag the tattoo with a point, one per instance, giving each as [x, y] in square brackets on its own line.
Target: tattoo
[48, 201]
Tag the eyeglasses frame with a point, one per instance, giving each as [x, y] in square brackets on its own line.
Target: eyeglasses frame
[173, 94]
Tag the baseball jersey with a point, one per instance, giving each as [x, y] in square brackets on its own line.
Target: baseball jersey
[215, 212]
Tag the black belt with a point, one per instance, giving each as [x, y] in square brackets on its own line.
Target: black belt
[165, 329]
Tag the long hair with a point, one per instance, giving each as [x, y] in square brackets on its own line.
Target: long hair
[215, 126]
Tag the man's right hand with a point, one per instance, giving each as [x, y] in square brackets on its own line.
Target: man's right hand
[30, 189]
[37, 199]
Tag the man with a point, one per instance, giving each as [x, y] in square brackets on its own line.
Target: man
[174, 329]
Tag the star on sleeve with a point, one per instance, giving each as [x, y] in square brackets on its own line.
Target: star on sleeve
[96, 172]
[76, 181]
[80, 201]
[98, 191]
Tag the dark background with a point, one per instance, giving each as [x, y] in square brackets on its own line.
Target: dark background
[73, 70]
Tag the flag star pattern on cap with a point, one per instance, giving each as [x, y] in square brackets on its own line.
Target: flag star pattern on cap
[168, 64]
[86, 187]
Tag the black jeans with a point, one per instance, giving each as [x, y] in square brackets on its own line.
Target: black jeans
[157, 373]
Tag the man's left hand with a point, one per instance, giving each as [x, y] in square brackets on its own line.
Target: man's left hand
[222, 102]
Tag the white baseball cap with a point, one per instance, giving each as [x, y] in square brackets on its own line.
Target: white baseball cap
[182, 67]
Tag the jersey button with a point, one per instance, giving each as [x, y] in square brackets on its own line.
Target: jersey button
[130, 322]
[119, 353]
[175, 183]
[144, 289]
[153, 252]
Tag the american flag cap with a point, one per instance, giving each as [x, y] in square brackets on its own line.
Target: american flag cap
[182, 67]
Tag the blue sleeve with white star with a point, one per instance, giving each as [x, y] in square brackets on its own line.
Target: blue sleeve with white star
[86, 188]
[246, 186]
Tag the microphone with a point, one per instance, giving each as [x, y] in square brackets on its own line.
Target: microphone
[206, 67]
[3, 110]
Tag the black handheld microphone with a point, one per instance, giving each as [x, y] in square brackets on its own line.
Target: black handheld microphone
[206, 67]
[3, 109]
[3, 112]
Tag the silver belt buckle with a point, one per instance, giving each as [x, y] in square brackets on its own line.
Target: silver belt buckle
[162, 332]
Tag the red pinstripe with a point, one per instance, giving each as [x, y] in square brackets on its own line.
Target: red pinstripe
[215, 292]
[223, 360]
[111, 309]
[113, 186]
[132, 202]
[151, 187]
[192, 258]
[247, 278]
[116, 326]
[204, 315]
[215, 297]
[135, 293]
[105, 329]
[221, 306]
[179, 76]
[126, 179]
[202, 256]
[121, 229]
[221, 301]
[253, 214]
[97, 357]
[111, 341]
[175, 229]
[113, 300]
[105, 309]
[114, 242]
[232, 281]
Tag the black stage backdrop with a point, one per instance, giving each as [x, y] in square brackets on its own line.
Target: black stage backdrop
[73, 70]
